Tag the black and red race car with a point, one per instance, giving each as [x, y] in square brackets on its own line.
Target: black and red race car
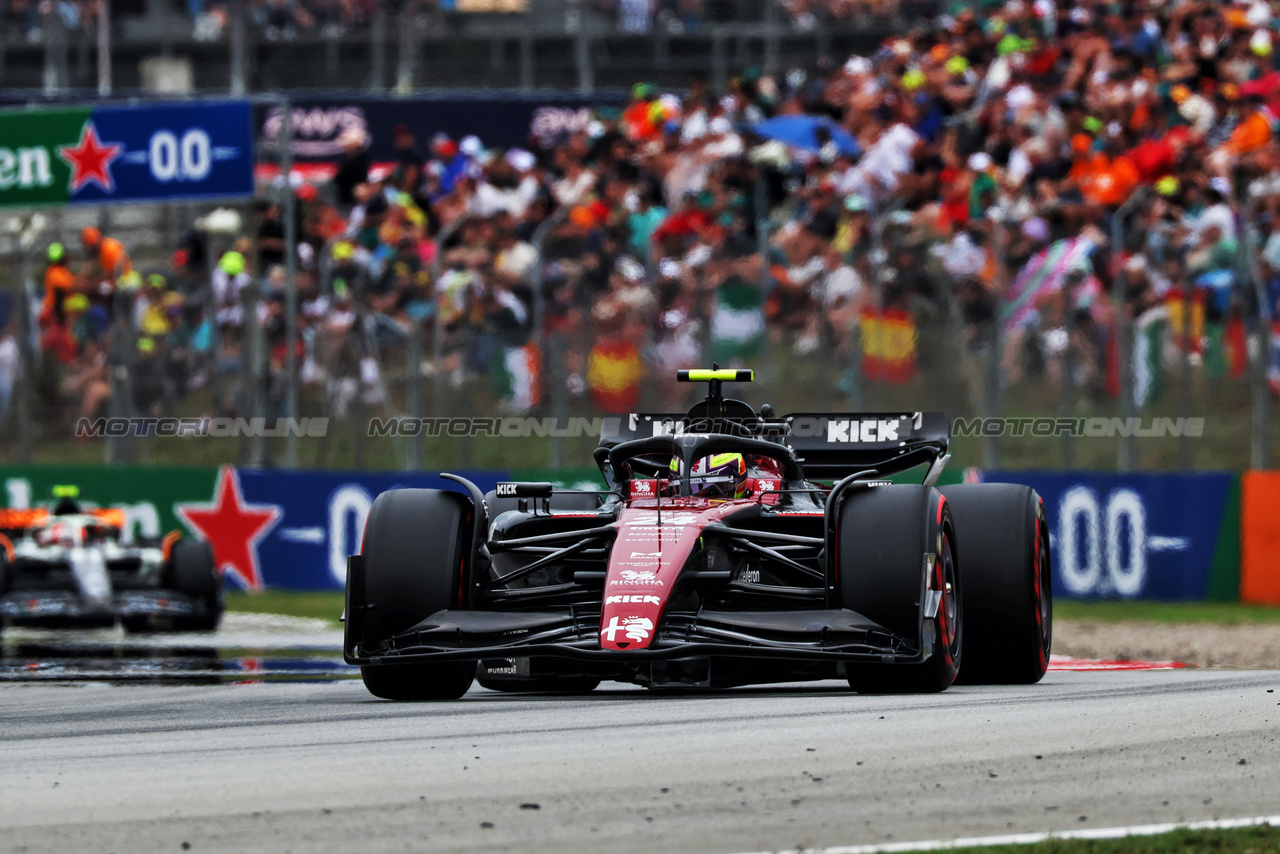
[730, 547]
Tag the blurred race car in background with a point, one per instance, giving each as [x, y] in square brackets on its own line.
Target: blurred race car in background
[70, 565]
[729, 547]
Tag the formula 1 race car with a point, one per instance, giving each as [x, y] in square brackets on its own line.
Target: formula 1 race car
[730, 547]
[67, 565]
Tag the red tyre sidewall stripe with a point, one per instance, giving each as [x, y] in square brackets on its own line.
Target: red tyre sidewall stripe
[940, 573]
[1038, 588]
[944, 621]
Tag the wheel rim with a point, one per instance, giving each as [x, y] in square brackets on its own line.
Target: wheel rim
[950, 598]
[1044, 595]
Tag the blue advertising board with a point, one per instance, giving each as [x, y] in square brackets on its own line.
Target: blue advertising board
[1131, 536]
[172, 151]
[318, 519]
[1119, 536]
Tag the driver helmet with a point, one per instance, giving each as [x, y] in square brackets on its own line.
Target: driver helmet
[719, 475]
[66, 500]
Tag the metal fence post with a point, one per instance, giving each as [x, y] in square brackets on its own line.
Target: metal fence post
[763, 233]
[526, 61]
[1067, 397]
[415, 394]
[437, 337]
[407, 36]
[288, 210]
[104, 48]
[359, 333]
[212, 308]
[1259, 449]
[550, 352]
[559, 396]
[378, 47]
[582, 58]
[251, 364]
[55, 51]
[994, 375]
[772, 34]
[238, 48]
[1122, 325]
[719, 60]
[26, 359]
[1184, 384]
[120, 363]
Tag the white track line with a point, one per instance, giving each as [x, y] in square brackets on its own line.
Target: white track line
[1033, 838]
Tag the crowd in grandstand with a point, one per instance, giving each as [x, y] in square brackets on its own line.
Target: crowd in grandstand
[965, 178]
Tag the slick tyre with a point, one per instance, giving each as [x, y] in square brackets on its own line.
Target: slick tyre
[884, 533]
[1008, 582]
[415, 544]
[6, 580]
[418, 683]
[191, 572]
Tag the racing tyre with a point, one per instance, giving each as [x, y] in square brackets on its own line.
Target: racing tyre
[884, 533]
[410, 683]
[1004, 536]
[414, 546]
[191, 572]
[6, 582]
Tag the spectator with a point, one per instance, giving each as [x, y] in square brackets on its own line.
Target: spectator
[59, 282]
[108, 260]
[230, 278]
[353, 168]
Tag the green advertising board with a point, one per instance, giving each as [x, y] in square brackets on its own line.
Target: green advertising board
[33, 167]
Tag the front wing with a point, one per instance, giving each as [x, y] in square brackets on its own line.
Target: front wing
[70, 607]
[836, 635]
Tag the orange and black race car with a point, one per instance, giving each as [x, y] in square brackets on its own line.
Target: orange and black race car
[730, 547]
[71, 565]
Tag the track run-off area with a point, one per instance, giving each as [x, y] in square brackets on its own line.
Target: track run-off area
[258, 764]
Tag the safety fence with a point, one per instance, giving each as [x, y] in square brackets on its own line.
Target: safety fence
[1172, 349]
[1155, 344]
[1196, 537]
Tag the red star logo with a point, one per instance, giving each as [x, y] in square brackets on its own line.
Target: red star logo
[90, 160]
[232, 527]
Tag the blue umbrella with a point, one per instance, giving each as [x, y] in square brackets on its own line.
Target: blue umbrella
[802, 132]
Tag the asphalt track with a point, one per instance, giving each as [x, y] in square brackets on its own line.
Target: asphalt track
[322, 766]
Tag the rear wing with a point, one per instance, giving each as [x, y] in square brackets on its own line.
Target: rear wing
[829, 446]
[832, 446]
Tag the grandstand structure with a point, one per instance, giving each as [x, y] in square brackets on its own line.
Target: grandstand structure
[243, 46]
